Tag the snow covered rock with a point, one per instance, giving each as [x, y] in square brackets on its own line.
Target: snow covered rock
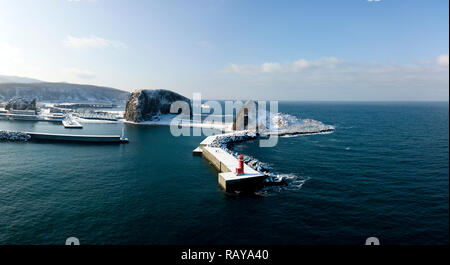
[148, 105]
[253, 117]
[20, 103]
[285, 124]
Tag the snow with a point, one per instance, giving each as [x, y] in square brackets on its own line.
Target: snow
[230, 161]
[58, 92]
[306, 126]
[285, 124]
[224, 143]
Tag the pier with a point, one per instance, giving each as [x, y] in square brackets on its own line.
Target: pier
[97, 139]
[226, 164]
[84, 105]
[24, 117]
[21, 117]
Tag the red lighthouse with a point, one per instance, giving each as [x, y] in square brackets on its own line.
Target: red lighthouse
[240, 168]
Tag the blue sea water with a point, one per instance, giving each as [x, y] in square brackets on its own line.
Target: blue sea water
[383, 173]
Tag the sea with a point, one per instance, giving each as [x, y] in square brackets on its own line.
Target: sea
[383, 172]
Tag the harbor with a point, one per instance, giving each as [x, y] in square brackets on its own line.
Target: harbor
[221, 132]
[70, 115]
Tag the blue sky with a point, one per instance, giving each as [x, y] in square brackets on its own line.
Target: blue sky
[296, 50]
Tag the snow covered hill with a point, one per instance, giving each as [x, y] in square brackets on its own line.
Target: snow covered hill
[62, 92]
[17, 79]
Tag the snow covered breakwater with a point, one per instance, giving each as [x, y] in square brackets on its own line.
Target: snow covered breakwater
[9, 136]
[280, 125]
[226, 142]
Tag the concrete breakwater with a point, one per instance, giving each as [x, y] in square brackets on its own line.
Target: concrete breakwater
[214, 148]
[97, 139]
[227, 141]
[218, 151]
[9, 136]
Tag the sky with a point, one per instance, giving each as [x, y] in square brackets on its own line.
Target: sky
[352, 50]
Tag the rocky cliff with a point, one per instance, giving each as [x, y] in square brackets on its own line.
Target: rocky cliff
[149, 105]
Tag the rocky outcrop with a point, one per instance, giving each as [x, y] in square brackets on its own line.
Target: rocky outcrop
[149, 105]
[254, 117]
[20, 103]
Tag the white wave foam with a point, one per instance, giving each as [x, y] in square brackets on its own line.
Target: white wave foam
[293, 183]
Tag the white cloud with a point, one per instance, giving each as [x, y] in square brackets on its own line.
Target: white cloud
[78, 73]
[91, 42]
[443, 60]
[335, 78]
[329, 62]
[300, 64]
[240, 69]
[271, 67]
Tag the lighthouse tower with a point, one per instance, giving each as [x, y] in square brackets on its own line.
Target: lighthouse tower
[240, 168]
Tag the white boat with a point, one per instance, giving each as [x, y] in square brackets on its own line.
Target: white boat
[71, 123]
[55, 117]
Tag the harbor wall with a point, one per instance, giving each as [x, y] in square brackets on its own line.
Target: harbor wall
[112, 139]
[225, 163]
[214, 161]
